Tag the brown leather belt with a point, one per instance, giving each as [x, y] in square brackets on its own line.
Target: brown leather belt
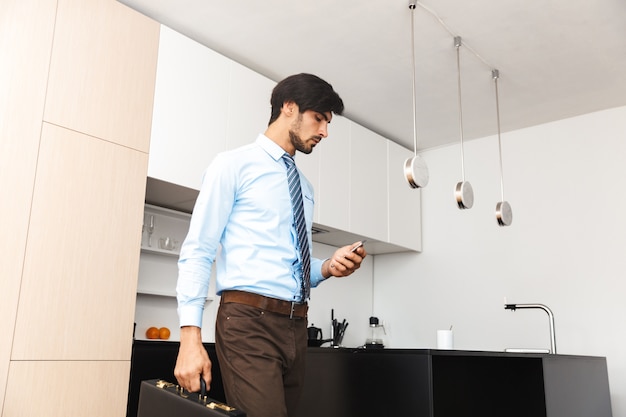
[286, 308]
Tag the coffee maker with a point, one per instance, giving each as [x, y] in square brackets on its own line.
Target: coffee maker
[377, 333]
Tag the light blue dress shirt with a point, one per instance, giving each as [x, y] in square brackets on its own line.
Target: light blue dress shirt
[243, 221]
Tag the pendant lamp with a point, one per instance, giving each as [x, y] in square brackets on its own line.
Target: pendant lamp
[504, 213]
[463, 191]
[415, 169]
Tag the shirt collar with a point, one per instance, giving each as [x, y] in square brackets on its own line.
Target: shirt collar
[271, 147]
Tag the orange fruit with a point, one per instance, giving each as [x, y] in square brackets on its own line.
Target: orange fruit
[164, 333]
[152, 333]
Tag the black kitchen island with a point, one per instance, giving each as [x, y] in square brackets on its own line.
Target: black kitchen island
[421, 382]
[440, 383]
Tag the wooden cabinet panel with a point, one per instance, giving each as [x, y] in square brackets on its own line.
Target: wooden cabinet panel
[190, 102]
[25, 42]
[102, 71]
[206, 103]
[80, 269]
[67, 388]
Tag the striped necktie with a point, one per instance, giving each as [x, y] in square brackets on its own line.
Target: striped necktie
[293, 179]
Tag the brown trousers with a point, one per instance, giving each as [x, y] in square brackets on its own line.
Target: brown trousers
[262, 359]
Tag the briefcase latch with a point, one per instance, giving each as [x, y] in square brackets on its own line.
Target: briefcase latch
[163, 384]
[213, 405]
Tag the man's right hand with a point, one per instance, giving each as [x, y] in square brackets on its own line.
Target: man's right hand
[193, 360]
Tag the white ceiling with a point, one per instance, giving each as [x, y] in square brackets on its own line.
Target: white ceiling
[556, 58]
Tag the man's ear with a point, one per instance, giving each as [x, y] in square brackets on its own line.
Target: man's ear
[289, 108]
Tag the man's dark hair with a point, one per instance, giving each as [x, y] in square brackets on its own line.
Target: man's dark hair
[309, 92]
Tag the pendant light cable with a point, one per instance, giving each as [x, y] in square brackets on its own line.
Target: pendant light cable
[495, 75]
[463, 192]
[412, 7]
[457, 44]
[415, 168]
[504, 213]
[451, 32]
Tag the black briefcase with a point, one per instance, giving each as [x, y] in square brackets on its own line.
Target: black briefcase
[159, 398]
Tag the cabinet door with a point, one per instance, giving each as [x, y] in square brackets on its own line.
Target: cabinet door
[80, 264]
[95, 388]
[102, 71]
[26, 45]
[310, 165]
[190, 107]
[405, 225]
[368, 183]
[248, 105]
[333, 197]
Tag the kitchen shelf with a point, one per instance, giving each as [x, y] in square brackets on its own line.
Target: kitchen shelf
[158, 268]
[157, 293]
[164, 294]
[156, 301]
[167, 224]
[158, 251]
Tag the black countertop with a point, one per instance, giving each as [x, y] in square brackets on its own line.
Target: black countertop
[345, 382]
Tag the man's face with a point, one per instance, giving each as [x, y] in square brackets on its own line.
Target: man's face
[309, 129]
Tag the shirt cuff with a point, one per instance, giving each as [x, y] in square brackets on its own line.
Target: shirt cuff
[190, 315]
[316, 271]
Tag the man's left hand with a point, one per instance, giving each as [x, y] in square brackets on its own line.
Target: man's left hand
[344, 261]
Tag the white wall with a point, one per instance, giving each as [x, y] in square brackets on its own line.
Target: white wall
[566, 247]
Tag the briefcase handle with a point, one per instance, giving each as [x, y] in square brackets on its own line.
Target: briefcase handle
[202, 387]
[202, 399]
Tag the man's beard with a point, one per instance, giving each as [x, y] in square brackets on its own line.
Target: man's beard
[298, 143]
[295, 138]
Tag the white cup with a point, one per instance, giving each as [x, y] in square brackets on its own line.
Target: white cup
[445, 339]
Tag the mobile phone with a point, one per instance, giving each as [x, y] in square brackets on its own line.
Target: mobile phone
[359, 245]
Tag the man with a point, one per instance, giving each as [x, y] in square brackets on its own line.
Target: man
[246, 219]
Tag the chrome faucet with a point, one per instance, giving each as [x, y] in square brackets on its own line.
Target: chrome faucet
[545, 308]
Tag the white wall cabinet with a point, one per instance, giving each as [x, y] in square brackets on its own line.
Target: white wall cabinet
[328, 169]
[335, 176]
[368, 185]
[361, 192]
[206, 103]
[190, 109]
[248, 105]
[311, 166]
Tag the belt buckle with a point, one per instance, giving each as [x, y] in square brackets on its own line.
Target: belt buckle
[293, 307]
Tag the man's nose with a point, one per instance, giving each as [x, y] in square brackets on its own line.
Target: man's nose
[323, 132]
